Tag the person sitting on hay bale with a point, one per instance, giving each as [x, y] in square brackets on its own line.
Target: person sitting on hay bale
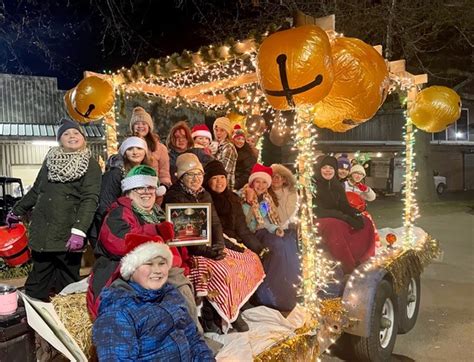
[143, 317]
[136, 212]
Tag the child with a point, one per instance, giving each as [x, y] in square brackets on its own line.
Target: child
[354, 183]
[142, 316]
[343, 167]
[281, 265]
[202, 137]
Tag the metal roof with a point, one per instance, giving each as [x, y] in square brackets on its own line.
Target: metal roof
[22, 130]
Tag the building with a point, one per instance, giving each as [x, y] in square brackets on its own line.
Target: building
[30, 108]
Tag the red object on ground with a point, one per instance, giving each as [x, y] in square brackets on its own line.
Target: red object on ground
[356, 201]
[14, 245]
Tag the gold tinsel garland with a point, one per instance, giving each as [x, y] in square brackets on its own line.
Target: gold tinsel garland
[304, 345]
[72, 311]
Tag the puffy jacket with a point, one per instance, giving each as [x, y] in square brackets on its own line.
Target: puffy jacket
[59, 207]
[137, 324]
[176, 194]
[111, 247]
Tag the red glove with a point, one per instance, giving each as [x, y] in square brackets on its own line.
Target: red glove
[362, 187]
[166, 230]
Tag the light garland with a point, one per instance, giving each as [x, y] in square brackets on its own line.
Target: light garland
[410, 210]
[317, 270]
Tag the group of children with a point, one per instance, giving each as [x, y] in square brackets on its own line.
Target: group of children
[141, 314]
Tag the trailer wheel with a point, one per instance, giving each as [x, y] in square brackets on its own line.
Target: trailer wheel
[378, 346]
[409, 305]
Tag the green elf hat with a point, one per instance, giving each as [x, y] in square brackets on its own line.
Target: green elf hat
[142, 176]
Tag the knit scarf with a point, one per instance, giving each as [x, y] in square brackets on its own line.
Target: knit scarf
[67, 166]
[155, 216]
[221, 202]
[191, 192]
[262, 208]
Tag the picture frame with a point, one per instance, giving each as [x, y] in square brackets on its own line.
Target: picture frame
[192, 223]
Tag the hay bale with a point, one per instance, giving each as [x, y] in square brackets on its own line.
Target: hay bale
[72, 311]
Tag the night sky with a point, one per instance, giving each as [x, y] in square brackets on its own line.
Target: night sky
[49, 38]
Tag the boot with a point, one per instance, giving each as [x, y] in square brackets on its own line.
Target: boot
[207, 319]
[240, 325]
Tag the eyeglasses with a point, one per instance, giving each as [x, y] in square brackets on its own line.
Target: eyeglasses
[193, 176]
[144, 190]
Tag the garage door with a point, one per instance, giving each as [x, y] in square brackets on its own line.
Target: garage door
[469, 171]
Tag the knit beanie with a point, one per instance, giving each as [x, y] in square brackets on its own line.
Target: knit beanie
[224, 123]
[141, 249]
[66, 124]
[343, 162]
[213, 168]
[142, 176]
[238, 132]
[187, 162]
[139, 114]
[261, 171]
[359, 169]
[201, 130]
[132, 142]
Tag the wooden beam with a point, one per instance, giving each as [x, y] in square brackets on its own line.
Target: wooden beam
[396, 66]
[247, 78]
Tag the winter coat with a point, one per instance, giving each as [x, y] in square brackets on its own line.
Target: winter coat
[111, 246]
[229, 209]
[160, 161]
[331, 200]
[201, 154]
[177, 194]
[286, 208]
[137, 324]
[246, 159]
[60, 207]
[227, 154]
[367, 195]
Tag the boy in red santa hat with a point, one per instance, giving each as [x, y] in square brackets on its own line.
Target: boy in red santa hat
[202, 138]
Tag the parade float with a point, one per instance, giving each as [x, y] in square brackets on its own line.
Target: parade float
[318, 75]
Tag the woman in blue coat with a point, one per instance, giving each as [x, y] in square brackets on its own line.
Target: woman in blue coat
[142, 317]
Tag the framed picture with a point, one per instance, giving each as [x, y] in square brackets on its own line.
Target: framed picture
[192, 223]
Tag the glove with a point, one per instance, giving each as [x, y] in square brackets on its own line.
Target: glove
[362, 187]
[217, 252]
[11, 219]
[166, 230]
[75, 242]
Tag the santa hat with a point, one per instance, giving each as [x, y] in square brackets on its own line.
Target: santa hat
[224, 123]
[139, 114]
[187, 162]
[343, 162]
[261, 171]
[132, 142]
[238, 132]
[141, 249]
[142, 176]
[359, 169]
[201, 130]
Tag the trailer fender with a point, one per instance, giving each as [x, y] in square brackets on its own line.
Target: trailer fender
[359, 297]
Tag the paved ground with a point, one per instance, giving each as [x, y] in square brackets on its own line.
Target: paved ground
[445, 326]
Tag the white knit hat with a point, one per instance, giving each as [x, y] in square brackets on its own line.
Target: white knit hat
[359, 169]
[132, 142]
[142, 176]
[144, 252]
[139, 114]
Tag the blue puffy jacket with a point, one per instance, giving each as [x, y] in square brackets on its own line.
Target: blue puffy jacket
[137, 324]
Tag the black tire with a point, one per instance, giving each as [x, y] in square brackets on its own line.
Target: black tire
[378, 346]
[409, 305]
[440, 188]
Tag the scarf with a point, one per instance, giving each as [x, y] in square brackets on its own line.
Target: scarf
[263, 207]
[155, 216]
[222, 202]
[191, 192]
[67, 166]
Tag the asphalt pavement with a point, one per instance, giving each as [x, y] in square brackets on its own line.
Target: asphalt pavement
[445, 327]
